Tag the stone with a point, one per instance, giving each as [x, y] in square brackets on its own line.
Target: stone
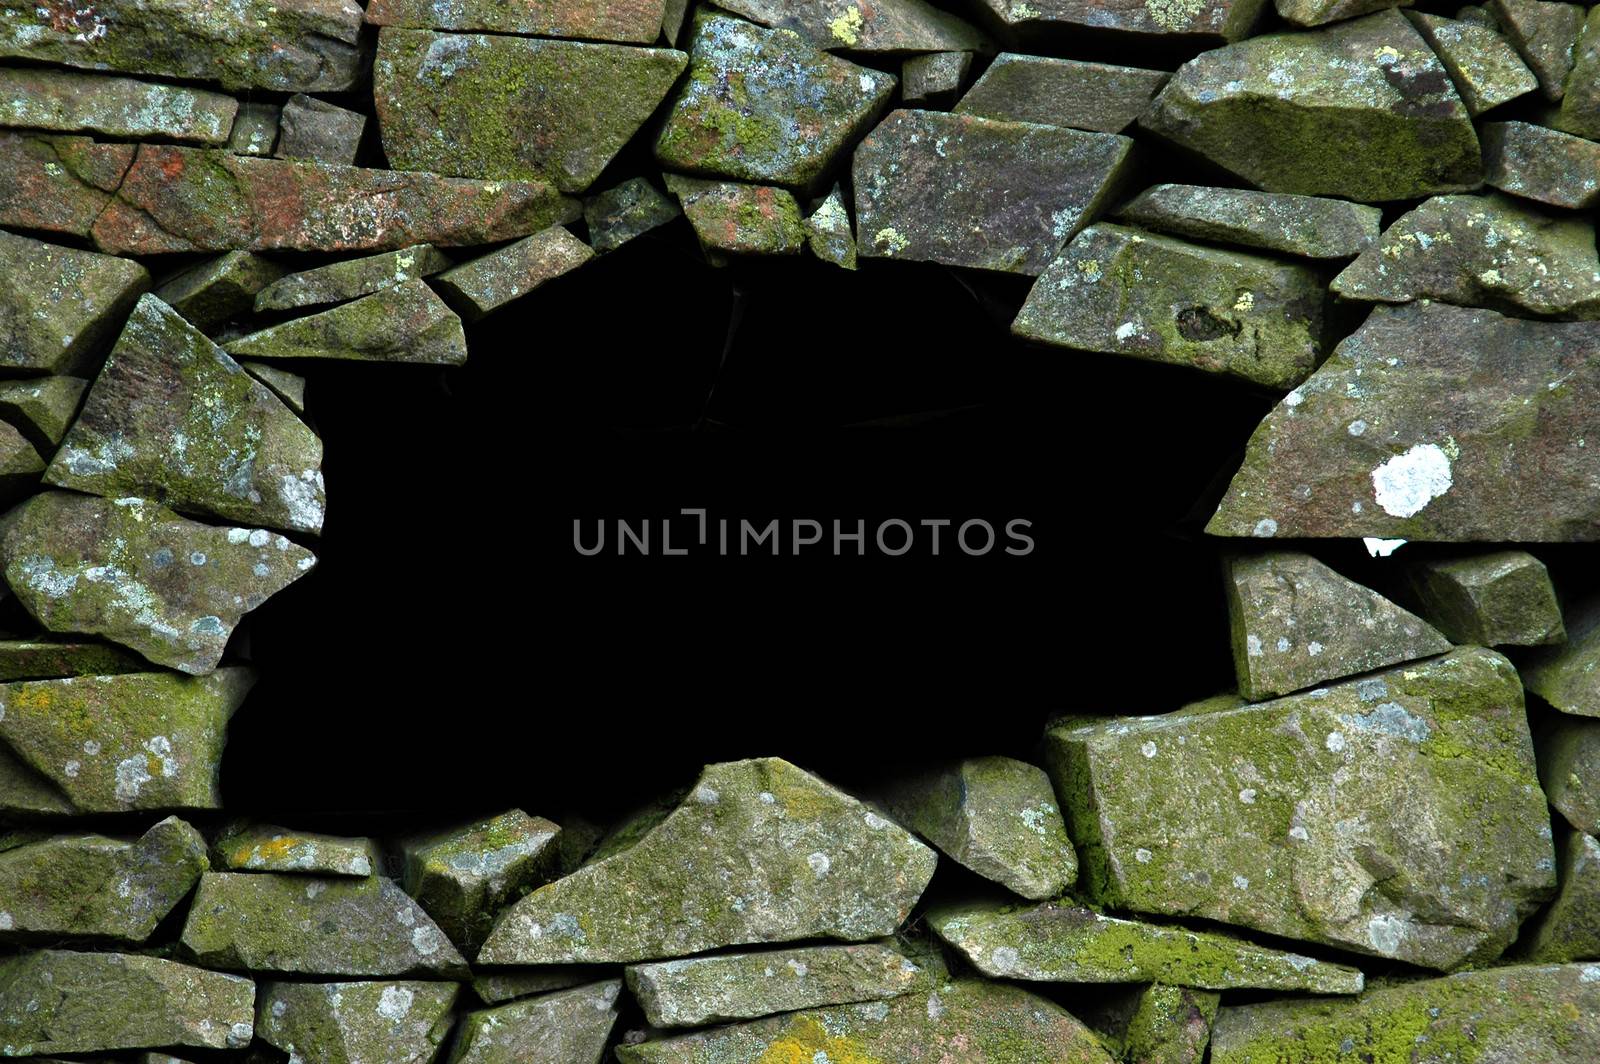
[734, 219]
[357, 1023]
[55, 1001]
[1579, 113]
[763, 106]
[889, 28]
[1167, 1024]
[1569, 930]
[1531, 1014]
[268, 848]
[627, 21]
[1295, 623]
[22, 790]
[1541, 164]
[985, 1023]
[1062, 92]
[968, 191]
[172, 417]
[487, 283]
[1321, 12]
[828, 233]
[1487, 251]
[1569, 769]
[58, 184]
[463, 877]
[308, 46]
[709, 876]
[1305, 226]
[1067, 943]
[69, 102]
[406, 322]
[1397, 816]
[314, 925]
[1486, 70]
[255, 129]
[1500, 599]
[20, 464]
[290, 387]
[1384, 441]
[1200, 21]
[98, 887]
[192, 199]
[41, 408]
[1568, 676]
[628, 210]
[744, 986]
[509, 984]
[476, 105]
[340, 282]
[994, 815]
[933, 79]
[1545, 34]
[30, 659]
[570, 1027]
[309, 128]
[1315, 113]
[58, 305]
[219, 289]
[130, 741]
[1122, 292]
[139, 575]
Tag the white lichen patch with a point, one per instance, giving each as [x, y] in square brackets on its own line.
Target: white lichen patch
[1406, 483]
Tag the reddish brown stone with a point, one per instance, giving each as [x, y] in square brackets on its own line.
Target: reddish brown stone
[57, 184]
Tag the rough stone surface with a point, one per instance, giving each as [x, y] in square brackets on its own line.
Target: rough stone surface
[255, 129]
[1541, 164]
[508, 984]
[58, 305]
[58, 184]
[34, 659]
[627, 21]
[1062, 92]
[41, 408]
[488, 283]
[1207, 20]
[828, 232]
[890, 27]
[309, 128]
[357, 1023]
[630, 209]
[265, 848]
[1321, 12]
[1569, 769]
[1500, 599]
[1169, 1025]
[465, 876]
[1568, 676]
[569, 1027]
[68, 102]
[289, 387]
[1569, 930]
[1579, 113]
[734, 219]
[1307, 226]
[20, 464]
[406, 322]
[934, 78]
[25, 791]
[340, 282]
[1485, 68]
[220, 289]
[1545, 34]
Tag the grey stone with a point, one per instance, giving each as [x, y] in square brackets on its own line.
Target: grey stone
[290, 387]
[1308, 226]
[1062, 92]
[934, 78]
[625, 211]
[357, 1023]
[406, 322]
[70, 102]
[1569, 769]
[891, 27]
[1193, 22]
[828, 232]
[266, 848]
[465, 876]
[1541, 164]
[485, 284]
[309, 128]
[255, 129]
[569, 1027]
[1485, 68]
[42, 407]
[219, 289]
[1499, 599]
[1579, 113]
[1568, 676]
[57, 305]
[340, 282]
[1545, 34]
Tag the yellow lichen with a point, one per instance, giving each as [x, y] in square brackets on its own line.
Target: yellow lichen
[847, 27]
[1173, 14]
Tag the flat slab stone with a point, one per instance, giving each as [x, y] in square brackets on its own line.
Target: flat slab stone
[1486, 70]
[1568, 676]
[628, 210]
[69, 102]
[357, 1023]
[340, 282]
[222, 288]
[465, 876]
[730, 218]
[59, 305]
[35, 659]
[268, 848]
[58, 184]
[41, 408]
[1545, 34]
[1569, 930]
[1339, 816]
[1307, 226]
[1062, 92]
[968, 191]
[702, 878]
[1500, 599]
[934, 78]
[1123, 292]
[1207, 20]
[485, 284]
[1541, 164]
[509, 984]
[889, 28]
[1569, 768]
[406, 322]
[628, 21]
[1383, 441]
[1308, 112]
[309, 128]
[570, 1027]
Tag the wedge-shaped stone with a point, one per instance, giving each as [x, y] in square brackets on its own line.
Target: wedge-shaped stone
[1123, 292]
[1062, 92]
[1499, 599]
[20, 464]
[986, 1023]
[194, 199]
[1157, 1024]
[734, 219]
[1568, 676]
[758, 851]
[1202, 19]
[130, 741]
[934, 78]
[403, 323]
[1321, 12]
[1542, 164]
[58, 184]
[41, 408]
[1579, 113]
[1485, 68]
[1569, 767]
[265, 922]
[340, 282]
[628, 21]
[1531, 1014]
[465, 876]
[619, 214]
[1307, 226]
[25, 791]
[1407, 432]
[1065, 943]
[309, 128]
[828, 232]
[290, 387]
[35, 98]
[357, 1023]
[172, 417]
[487, 283]
[54, 1001]
[57, 305]
[1545, 33]
[1310, 112]
[509, 984]
[223, 288]
[265, 848]
[570, 1027]
[37, 659]
[476, 105]
[1569, 930]
[967, 191]
[763, 106]
[1295, 623]
[890, 28]
[140, 575]
[1398, 815]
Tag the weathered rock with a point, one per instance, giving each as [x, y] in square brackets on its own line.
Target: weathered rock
[1569, 769]
[53, 1001]
[41, 408]
[1486, 70]
[1568, 676]
[255, 129]
[36, 98]
[222, 288]
[996, 816]
[487, 283]
[340, 282]
[357, 1023]
[1062, 92]
[1545, 34]
[734, 219]
[267, 922]
[309, 128]
[570, 1027]
[1160, 1024]
[744, 986]
[289, 387]
[58, 304]
[888, 28]
[465, 876]
[140, 575]
[828, 233]
[1397, 815]
[1295, 623]
[1321, 12]
[509, 984]
[1531, 1014]
[22, 790]
[1569, 930]
[1307, 226]
[1579, 113]
[1207, 20]
[762, 106]
[1361, 109]
[1385, 441]
[29, 659]
[630, 209]
[406, 322]
[266, 848]
[628, 21]
[759, 851]
[193, 199]
[970, 1020]
[20, 464]
[933, 79]
[1066, 943]
[1499, 599]
[58, 184]
[131, 741]
[967, 191]
[512, 107]
[1541, 164]
[1123, 292]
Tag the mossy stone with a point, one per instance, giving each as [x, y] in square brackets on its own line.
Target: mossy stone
[483, 285]
[1062, 92]
[463, 877]
[247, 847]
[1569, 929]
[1485, 68]
[39, 659]
[1503, 598]
[735, 219]
[340, 282]
[625, 211]
[568, 1027]
[225, 287]
[407, 322]
[58, 304]
[357, 1023]
[1311, 227]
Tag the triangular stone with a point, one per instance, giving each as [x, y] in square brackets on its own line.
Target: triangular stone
[406, 323]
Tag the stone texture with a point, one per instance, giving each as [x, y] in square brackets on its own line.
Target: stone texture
[1062, 92]
[1499, 599]
[20, 464]
[340, 282]
[406, 322]
[1579, 113]
[734, 219]
[1066, 943]
[1397, 816]
[487, 283]
[1545, 34]
[1192, 22]
[1541, 164]
[69, 102]
[828, 232]
[1321, 12]
[890, 27]
[1486, 70]
[967, 191]
[357, 1023]
[289, 387]
[1362, 110]
[58, 305]
[508, 984]
[619, 214]
[266, 848]
[41, 408]
[1407, 431]
[309, 128]
[1569, 930]
[933, 79]
[255, 129]
[24, 791]
[1169, 1025]
[58, 184]
[140, 575]
[1119, 291]
[628, 21]
[1569, 768]
[759, 851]
[1568, 676]
[510, 107]
[33, 659]
[1307, 226]
[266, 922]
[569, 1027]
[54, 1001]
[219, 289]
[463, 877]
